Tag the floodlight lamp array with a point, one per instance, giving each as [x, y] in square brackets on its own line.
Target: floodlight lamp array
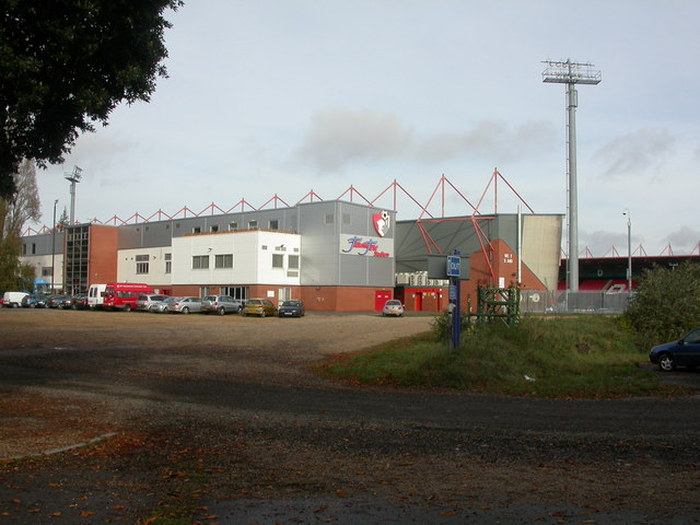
[568, 72]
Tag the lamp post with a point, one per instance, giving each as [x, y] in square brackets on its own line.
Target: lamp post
[53, 244]
[629, 252]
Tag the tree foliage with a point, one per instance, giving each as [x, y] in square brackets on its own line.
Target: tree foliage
[666, 304]
[24, 206]
[65, 65]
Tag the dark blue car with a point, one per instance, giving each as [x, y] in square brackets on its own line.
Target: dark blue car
[684, 352]
[291, 308]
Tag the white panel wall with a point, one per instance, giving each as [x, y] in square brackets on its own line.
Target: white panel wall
[252, 258]
[156, 276]
[44, 261]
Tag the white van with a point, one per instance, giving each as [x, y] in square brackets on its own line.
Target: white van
[13, 299]
[96, 296]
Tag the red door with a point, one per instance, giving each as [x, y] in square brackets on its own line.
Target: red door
[380, 297]
[419, 302]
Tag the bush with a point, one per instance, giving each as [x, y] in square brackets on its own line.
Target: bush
[666, 303]
[440, 325]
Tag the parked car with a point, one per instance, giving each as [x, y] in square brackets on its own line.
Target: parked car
[34, 300]
[292, 308]
[185, 305]
[684, 352]
[147, 301]
[259, 307]
[221, 304]
[393, 307]
[79, 302]
[59, 301]
[162, 307]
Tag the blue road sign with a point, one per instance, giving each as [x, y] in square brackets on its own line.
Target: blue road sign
[454, 266]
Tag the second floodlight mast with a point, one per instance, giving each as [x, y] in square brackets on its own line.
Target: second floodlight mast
[571, 73]
[74, 178]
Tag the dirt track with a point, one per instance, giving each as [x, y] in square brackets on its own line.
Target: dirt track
[223, 415]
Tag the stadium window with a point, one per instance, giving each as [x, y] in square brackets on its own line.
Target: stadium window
[142, 265]
[200, 262]
[223, 261]
[277, 260]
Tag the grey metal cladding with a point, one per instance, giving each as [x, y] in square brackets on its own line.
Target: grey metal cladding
[446, 235]
[160, 233]
[42, 244]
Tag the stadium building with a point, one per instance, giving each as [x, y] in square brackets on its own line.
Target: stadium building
[335, 255]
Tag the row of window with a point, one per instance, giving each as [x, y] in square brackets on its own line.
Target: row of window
[273, 224]
[221, 261]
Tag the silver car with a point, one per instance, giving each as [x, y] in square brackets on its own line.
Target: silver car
[185, 305]
[393, 307]
[162, 307]
[146, 302]
[221, 304]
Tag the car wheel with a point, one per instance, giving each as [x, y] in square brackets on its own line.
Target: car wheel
[127, 308]
[263, 314]
[221, 311]
[666, 363]
[185, 310]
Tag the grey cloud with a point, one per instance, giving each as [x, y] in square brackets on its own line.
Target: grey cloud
[601, 243]
[685, 239]
[338, 137]
[491, 140]
[636, 153]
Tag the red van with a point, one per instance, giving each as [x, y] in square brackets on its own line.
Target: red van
[123, 296]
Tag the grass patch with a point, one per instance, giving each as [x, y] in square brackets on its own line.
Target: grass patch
[586, 357]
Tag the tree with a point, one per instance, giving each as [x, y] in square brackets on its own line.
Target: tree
[25, 204]
[65, 65]
[63, 220]
[14, 213]
[666, 303]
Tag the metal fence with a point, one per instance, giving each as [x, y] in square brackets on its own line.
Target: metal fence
[532, 301]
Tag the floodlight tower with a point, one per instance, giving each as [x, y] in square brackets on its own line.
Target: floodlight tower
[571, 73]
[74, 179]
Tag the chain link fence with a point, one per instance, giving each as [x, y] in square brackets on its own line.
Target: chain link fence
[532, 301]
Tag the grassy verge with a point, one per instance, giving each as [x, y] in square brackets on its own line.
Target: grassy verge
[587, 357]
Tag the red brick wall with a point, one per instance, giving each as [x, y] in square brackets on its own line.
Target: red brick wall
[103, 254]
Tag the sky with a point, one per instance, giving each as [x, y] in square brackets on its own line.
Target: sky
[289, 98]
